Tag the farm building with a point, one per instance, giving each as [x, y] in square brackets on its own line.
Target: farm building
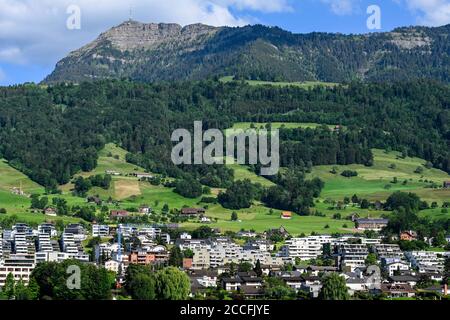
[192, 211]
[371, 224]
[287, 215]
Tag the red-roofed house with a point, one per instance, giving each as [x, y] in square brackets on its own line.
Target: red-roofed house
[119, 214]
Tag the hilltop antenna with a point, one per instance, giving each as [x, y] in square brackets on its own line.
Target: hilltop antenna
[131, 12]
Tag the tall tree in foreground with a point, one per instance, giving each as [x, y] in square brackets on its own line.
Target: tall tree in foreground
[9, 286]
[172, 284]
[334, 288]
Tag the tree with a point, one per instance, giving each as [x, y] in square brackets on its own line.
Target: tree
[21, 291]
[240, 195]
[188, 188]
[409, 201]
[33, 289]
[143, 287]
[334, 288]
[277, 289]
[234, 216]
[371, 259]
[365, 204]
[51, 277]
[176, 257]
[172, 284]
[258, 269]
[9, 286]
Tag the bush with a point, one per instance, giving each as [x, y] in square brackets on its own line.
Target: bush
[349, 173]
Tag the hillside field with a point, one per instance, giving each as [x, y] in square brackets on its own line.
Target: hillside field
[131, 193]
[304, 85]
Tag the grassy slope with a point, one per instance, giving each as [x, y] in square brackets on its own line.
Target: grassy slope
[305, 85]
[278, 125]
[369, 184]
[371, 181]
[19, 205]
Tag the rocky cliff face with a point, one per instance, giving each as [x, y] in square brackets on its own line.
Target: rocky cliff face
[153, 52]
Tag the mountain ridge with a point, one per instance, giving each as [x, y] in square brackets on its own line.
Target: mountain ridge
[167, 51]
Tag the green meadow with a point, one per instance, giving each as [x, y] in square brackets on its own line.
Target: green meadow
[375, 183]
[304, 85]
[371, 184]
[279, 125]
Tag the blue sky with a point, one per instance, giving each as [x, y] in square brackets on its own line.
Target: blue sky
[34, 33]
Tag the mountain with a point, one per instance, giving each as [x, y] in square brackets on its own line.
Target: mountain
[154, 52]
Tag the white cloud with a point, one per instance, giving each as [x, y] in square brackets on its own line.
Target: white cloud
[431, 12]
[35, 32]
[342, 7]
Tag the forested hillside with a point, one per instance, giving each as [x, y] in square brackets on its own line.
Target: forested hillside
[155, 52]
[50, 133]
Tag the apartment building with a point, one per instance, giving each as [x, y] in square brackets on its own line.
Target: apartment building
[99, 230]
[77, 231]
[389, 251]
[426, 261]
[44, 243]
[352, 256]
[305, 248]
[20, 266]
[47, 228]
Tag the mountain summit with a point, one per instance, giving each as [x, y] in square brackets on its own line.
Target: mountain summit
[154, 52]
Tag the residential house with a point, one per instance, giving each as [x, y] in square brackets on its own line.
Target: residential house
[398, 290]
[145, 209]
[113, 265]
[392, 266]
[404, 279]
[231, 284]
[94, 199]
[312, 285]
[318, 270]
[50, 212]
[119, 214]
[408, 235]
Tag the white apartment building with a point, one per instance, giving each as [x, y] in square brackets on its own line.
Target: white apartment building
[68, 243]
[54, 256]
[152, 233]
[20, 266]
[99, 230]
[23, 244]
[369, 242]
[47, 228]
[305, 248]
[44, 243]
[389, 251]
[426, 260]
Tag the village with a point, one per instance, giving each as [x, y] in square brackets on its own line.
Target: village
[243, 264]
